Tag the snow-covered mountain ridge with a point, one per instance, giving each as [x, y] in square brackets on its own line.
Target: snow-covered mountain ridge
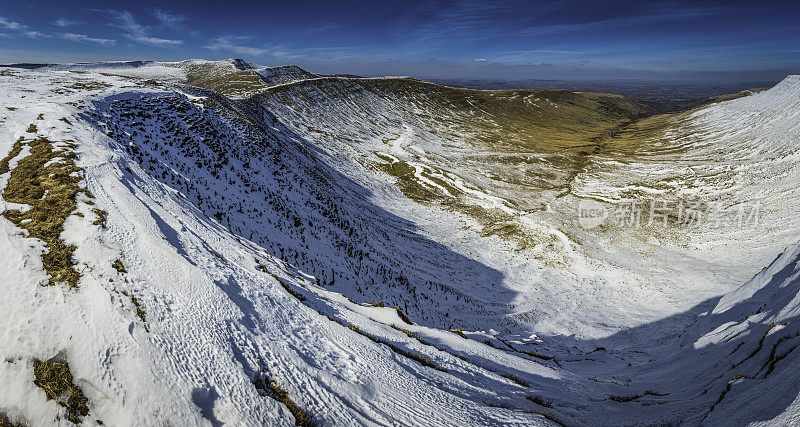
[228, 249]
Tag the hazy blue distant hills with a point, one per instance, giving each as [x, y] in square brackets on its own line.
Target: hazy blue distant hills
[648, 91]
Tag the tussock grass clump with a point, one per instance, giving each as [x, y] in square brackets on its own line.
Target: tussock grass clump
[117, 265]
[403, 316]
[55, 378]
[773, 325]
[459, 332]
[416, 336]
[622, 398]
[539, 401]
[288, 289]
[261, 267]
[537, 355]
[269, 387]
[102, 216]
[139, 310]
[284, 285]
[516, 379]
[405, 331]
[45, 180]
[400, 313]
[619, 398]
[88, 85]
[6, 422]
[423, 360]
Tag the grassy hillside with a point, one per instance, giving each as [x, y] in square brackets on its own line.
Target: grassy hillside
[237, 79]
[543, 120]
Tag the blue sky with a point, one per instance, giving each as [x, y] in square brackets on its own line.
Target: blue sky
[595, 40]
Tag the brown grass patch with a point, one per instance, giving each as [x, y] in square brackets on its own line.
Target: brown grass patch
[102, 216]
[459, 332]
[88, 85]
[288, 289]
[271, 388]
[516, 379]
[15, 150]
[261, 267]
[45, 180]
[55, 378]
[139, 310]
[119, 266]
[539, 401]
[405, 331]
[537, 355]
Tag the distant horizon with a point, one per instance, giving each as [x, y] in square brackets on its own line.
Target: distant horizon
[679, 41]
[446, 79]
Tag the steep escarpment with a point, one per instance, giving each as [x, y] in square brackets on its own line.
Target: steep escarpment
[261, 181]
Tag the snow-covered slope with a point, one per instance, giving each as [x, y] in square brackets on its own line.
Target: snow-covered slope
[251, 261]
[511, 166]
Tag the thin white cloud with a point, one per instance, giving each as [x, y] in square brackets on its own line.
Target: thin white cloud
[27, 34]
[239, 45]
[22, 30]
[11, 25]
[169, 20]
[480, 60]
[155, 41]
[35, 35]
[64, 22]
[124, 21]
[228, 44]
[82, 38]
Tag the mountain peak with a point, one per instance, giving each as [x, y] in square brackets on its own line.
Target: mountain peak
[240, 64]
